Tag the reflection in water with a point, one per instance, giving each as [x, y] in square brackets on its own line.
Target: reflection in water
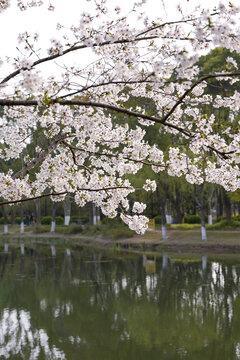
[6, 247]
[18, 337]
[83, 305]
[22, 249]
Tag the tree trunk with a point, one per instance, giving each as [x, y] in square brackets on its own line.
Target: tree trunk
[219, 202]
[22, 219]
[5, 220]
[200, 201]
[38, 212]
[162, 201]
[179, 208]
[163, 223]
[90, 212]
[53, 224]
[227, 205]
[203, 225]
[67, 210]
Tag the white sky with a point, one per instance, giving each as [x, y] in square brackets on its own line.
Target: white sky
[68, 12]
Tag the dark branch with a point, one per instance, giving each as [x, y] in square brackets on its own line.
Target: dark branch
[6, 102]
[188, 91]
[61, 193]
[42, 155]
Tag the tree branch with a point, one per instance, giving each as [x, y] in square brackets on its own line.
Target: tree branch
[71, 147]
[42, 155]
[6, 102]
[199, 81]
[61, 193]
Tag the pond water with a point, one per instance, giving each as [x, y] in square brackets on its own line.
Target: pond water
[57, 303]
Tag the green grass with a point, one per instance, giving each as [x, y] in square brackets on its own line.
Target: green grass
[185, 226]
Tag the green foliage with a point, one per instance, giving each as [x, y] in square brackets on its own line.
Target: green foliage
[46, 220]
[221, 218]
[80, 219]
[17, 220]
[59, 220]
[2, 220]
[158, 219]
[224, 225]
[215, 61]
[74, 219]
[112, 222]
[192, 219]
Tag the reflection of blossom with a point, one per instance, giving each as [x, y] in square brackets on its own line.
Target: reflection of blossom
[16, 335]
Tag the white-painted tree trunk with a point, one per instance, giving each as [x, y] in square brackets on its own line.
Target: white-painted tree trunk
[210, 219]
[6, 247]
[67, 210]
[67, 220]
[22, 227]
[164, 232]
[169, 219]
[204, 233]
[53, 226]
[5, 228]
[22, 219]
[94, 215]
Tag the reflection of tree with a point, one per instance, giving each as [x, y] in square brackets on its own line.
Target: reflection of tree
[91, 306]
[19, 338]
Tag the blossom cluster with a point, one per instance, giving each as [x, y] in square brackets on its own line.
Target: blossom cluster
[80, 113]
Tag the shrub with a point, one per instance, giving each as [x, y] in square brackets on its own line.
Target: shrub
[224, 225]
[113, 222]
[8, 220]
[59, 220]
[192, 219]
[221, 218]
[158, 219]
[75, 219]
[46, 220]
[80, 219]
[75, 228]
[17, 220]
[236, 218]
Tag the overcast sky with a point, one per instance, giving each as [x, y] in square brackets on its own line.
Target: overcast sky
[14, 21]
[44, 22]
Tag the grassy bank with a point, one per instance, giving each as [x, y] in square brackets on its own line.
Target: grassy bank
[178, 240]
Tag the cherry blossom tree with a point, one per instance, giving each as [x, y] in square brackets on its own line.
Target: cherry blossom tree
[89, 152]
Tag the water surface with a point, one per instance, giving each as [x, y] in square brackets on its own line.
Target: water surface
[93, 305]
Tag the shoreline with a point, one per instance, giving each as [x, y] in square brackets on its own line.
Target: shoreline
[178, 241]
